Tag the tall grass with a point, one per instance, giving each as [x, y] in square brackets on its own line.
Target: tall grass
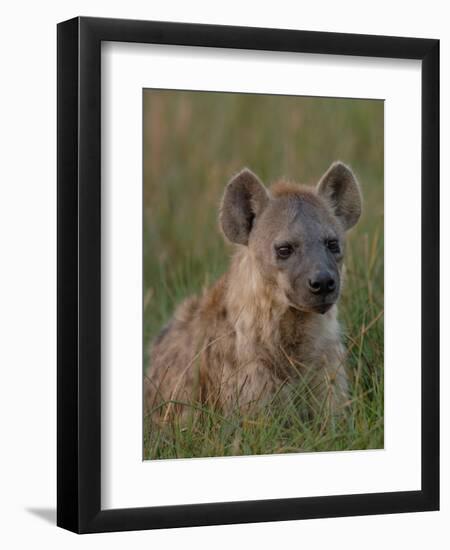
[193, 143]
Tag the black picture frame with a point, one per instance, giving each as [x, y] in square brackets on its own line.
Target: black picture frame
[79, 275]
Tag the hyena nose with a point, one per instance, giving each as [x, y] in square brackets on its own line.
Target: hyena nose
[322, 283]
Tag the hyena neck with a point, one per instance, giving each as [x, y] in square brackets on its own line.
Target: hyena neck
[261, 317]
[253, 305]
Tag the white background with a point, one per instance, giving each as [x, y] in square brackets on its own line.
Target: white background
[127, 481]
[28, 274]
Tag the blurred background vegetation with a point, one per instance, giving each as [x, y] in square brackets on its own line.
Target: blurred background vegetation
[193, 143]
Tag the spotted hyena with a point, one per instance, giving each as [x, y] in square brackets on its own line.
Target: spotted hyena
[272, 317]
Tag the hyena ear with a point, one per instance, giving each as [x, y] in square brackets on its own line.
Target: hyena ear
[244, 199]
[340, 188]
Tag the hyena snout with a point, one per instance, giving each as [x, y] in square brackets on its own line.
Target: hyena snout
[322, 283]
[315, 290]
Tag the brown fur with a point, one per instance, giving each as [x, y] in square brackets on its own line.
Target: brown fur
[257, 329]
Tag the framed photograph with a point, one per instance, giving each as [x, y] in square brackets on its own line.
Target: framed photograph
[248, 275]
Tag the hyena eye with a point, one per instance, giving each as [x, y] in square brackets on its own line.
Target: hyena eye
[333, 246]
[284, 251]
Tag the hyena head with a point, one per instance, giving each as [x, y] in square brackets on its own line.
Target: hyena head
[295, 234]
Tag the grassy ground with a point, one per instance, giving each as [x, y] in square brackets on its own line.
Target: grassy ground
[193, 143]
